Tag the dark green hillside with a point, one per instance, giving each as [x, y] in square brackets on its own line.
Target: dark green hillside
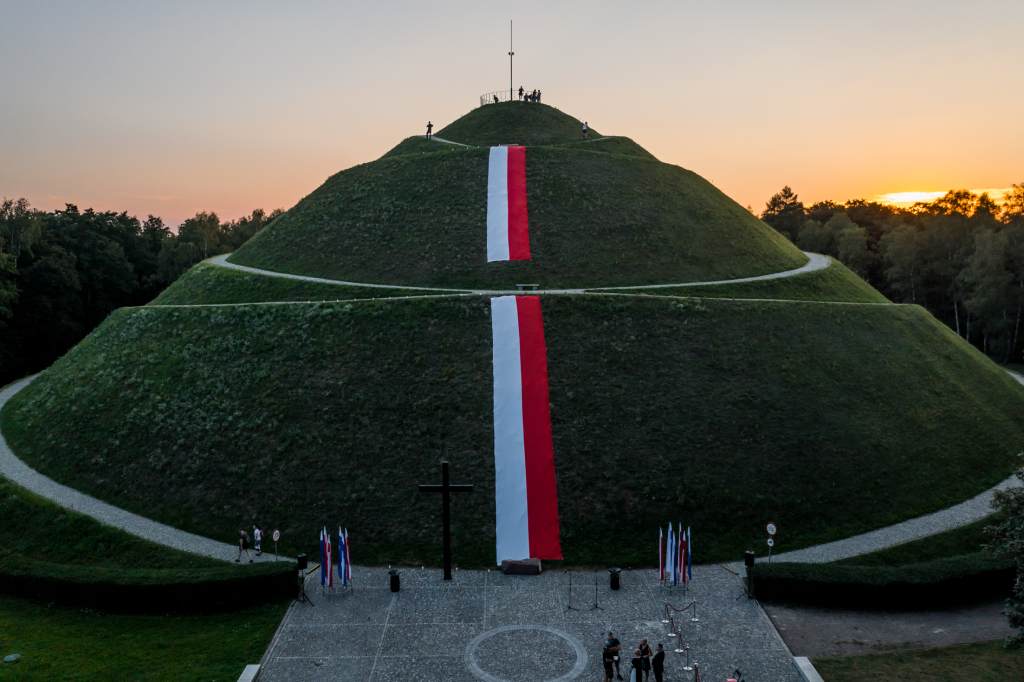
[515, 123]
[828, 419]
[835, 283]
[607, 145]
[419, 145]
[207, 284]
[596, 219]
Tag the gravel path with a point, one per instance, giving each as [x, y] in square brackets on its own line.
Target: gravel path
[815, 262]
[18, 472]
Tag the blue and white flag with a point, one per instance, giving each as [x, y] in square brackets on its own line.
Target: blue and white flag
[689, 553]
[342, 560]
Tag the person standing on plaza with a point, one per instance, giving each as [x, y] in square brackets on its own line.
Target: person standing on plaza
[608, 659]
[636, 667]
[645, 658]
[614, 645]
[658, 663]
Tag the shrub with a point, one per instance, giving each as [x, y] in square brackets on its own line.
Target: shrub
[933, 584]
[152, 590]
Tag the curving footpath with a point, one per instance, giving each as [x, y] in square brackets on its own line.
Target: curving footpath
[815, 262]
[22, 474]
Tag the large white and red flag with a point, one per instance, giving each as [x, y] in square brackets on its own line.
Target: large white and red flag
[524, 461]
[508, 236]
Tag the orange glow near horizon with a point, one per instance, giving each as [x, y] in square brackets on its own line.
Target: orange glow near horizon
[908, 199]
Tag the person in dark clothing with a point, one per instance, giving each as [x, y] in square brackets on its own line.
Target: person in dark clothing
[614, 645]
[636, 673]
[645, 656]
[609, 661]
[243, 545]
[658, 663]
[430, 127]
[521, 92]
[538, 96]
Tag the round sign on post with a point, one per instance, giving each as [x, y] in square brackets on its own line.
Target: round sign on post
[771, 543]
[772, 529]
[277, 535]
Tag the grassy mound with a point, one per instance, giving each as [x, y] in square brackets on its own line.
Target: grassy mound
[211, 284]
[835, 283]
[515, 123]
[712, 414]
[607, 145]
[596, 219]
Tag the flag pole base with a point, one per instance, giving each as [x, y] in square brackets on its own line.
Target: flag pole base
[336, 590]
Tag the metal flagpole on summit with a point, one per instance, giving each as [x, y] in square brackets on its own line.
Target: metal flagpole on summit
[510, 55]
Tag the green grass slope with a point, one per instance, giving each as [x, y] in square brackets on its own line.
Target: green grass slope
[515, 123]
[41, 530]
[208, 284]
[835, 283]
[596, 219]
[830, 420]
[608, 145]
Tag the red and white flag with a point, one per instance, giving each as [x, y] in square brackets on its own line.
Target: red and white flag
[508, 237]
[330, 573]
[524, 460]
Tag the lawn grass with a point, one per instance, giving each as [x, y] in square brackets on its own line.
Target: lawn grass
[41, 530]
[830, 420]
[208, 284]
[521, 123]
[79, 645]
[964, 540]
[834, 283]
[607, 145]
[981, 662]
[596, 219]
[419, 145]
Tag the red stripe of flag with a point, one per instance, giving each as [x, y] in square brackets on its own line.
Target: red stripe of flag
[541, 493]
[518, 232]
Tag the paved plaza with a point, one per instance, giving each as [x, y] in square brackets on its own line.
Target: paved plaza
[484, 625]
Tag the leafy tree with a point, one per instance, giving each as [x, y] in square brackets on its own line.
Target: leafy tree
[987, 284]
[816, 238]
[785, 212]
[900, 248]
[1008, 540]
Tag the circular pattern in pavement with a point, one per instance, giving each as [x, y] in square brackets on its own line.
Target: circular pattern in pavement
[526, 652]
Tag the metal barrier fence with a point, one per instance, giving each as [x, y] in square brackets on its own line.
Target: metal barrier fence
[496, 97]
[502, 96]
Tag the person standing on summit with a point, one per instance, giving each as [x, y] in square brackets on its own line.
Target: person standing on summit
[520, 92]
[586, 131]
[430, 126]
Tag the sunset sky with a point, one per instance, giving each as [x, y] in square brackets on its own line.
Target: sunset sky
[172, 108]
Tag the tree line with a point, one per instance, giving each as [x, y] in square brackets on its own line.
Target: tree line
[960, 256]
[63, 272]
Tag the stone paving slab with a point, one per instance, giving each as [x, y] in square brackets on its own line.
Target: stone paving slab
[488, 626]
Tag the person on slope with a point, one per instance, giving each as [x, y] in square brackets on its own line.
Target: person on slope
[430, 127]
[586, 131]
[243, 545]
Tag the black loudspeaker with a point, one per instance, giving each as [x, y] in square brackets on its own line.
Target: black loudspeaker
[303, 562]
[748, 559]
[615, 573]
[395, 585]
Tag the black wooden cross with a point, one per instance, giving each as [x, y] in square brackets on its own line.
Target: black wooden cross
[446, 489]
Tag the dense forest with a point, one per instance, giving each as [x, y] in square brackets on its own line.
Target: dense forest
[63, 272]
[960, 256]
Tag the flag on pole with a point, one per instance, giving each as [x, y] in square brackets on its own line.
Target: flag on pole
[526, 498]
[661, 554]
[323, 558]
[330, 570]
[507, 232]
[341, 557]
[671, 555]
[681, 557]
[689, 554]
[348, 558]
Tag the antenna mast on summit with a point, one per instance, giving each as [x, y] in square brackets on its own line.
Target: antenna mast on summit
[510, 55]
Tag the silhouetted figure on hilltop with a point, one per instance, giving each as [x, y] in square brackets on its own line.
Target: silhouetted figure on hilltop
[520, 92]
[430, 127]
